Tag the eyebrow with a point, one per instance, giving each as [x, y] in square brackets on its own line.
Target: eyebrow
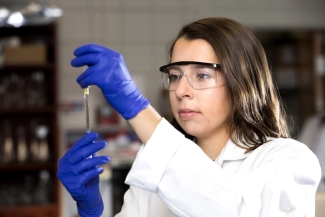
[213, 65]
[174, 67]
[201, 66]
[193, 66]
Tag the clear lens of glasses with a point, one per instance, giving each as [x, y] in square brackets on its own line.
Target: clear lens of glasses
[199, 76]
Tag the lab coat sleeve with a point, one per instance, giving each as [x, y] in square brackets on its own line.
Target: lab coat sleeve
[129, 207]
[191, 184]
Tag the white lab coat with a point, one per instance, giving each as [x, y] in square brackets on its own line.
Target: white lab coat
[313, 135]
[172, 176]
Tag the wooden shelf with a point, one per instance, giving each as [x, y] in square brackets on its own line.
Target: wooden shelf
[289, 91]
[46, 210]
[28, 207]
[27, 67]
[28, 110]
[27, 167]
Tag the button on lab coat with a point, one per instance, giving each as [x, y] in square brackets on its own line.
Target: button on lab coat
[171, 176]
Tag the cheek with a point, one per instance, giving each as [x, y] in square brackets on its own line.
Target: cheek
[173, 102]
[219, 103]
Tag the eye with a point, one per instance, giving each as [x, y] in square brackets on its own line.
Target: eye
[174, 75]
[203, 73]
[203, 76]
[173, 78]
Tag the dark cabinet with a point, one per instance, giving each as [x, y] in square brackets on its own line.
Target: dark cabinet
[28, 122]
[292, 54]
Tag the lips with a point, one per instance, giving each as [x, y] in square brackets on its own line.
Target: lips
[187, 113]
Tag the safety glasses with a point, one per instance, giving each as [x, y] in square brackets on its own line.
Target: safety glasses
[200, 75]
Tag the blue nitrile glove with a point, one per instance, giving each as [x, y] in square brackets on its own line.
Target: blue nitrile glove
[108, 71]
[80, 174]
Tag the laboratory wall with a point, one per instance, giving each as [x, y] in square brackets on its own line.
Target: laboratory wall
[141, 31]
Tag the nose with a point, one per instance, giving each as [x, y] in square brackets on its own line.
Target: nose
[184, 88]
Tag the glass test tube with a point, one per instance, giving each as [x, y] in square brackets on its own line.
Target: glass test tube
[86, 101]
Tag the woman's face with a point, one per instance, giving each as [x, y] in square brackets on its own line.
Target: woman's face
[201, 113]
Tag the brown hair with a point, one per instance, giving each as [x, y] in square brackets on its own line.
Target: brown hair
[257, 110]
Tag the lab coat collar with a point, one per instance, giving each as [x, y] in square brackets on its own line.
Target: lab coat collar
[231, 152]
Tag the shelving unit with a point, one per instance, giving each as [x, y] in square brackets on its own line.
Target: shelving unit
[291, 58]
[28, 126]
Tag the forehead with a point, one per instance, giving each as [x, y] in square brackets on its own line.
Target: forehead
[193, 50]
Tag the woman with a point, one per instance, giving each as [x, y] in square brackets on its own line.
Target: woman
[229, 153]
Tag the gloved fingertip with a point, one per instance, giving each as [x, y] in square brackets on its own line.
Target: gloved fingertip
[73, 62]
[91, 135]
[78, 80]
[81, 81]
[83, 85]
[105, 159]
[88, 48]
[100, 170]
[75, 52]
[102, 143]
[78, 50]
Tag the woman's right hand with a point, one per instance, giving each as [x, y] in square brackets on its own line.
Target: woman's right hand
[108, 71]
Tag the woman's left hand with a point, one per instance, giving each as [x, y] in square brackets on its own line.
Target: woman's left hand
[79, 174]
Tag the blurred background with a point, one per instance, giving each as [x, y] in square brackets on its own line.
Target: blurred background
[42, 107]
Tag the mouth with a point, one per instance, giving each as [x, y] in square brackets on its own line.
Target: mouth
[186, 114]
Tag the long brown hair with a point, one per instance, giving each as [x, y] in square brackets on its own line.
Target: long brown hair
[257, 110]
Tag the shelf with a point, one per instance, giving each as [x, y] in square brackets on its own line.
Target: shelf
[28, 110]
[46, 210]
[31, 29]
[27, 208]
[289, 91]
[27, 167]
[27, 67]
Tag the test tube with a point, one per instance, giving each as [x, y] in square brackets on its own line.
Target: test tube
[86, 100]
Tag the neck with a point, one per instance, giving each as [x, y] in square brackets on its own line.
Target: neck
[212, 147]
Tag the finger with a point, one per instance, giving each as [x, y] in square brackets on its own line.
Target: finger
[85, 152]
[88, 59]
[86, 78]
[88, 138]
[89, 174]
[90, 163]
[89, 48]
[96, 75]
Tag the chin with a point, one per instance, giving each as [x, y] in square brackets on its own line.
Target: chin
[191, 130]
